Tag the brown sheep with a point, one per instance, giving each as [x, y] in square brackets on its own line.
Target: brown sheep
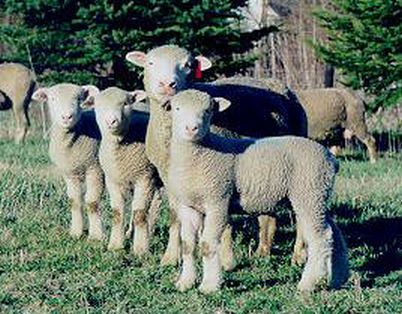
[333, 113]
[17, 85]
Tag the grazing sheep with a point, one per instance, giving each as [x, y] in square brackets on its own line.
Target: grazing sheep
[128, 172]
[209, 173]
[73, 148]
[254, 112]
[17, 85]
[334, 113]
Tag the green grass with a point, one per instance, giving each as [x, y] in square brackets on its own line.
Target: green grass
[43, 270]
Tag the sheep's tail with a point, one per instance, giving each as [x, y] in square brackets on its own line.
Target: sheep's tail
[154, 210]
[337, 262]
[298, 115]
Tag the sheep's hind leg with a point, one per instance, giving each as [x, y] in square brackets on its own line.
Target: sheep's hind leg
[299, 256]
[214, 224]
[95, 187]
[191, 221]
[267, 230]
[74, 192]
[226, 249]
[116, 240]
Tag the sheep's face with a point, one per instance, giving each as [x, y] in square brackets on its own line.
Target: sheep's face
[168, 69]
[113, 108]
[192, 111]
[64, 102]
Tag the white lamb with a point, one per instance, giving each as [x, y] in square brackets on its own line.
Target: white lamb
[128, 172]
[73, 148]
[208, 174]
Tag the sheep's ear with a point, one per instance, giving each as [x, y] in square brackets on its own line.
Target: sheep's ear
[222, 103]
[137, 96]
[88, 103]
[137, 58]
[90, 90]
[40, 95]
[204, 63]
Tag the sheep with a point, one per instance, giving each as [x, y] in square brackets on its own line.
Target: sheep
[17, 85]
[128, 172]
[333, 113]
[208, 174]
[73, 148]
[254, 112]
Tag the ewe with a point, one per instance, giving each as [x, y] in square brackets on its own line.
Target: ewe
[254, 112]
[208, 174]
[128, 172]
[17, 84]
[74, 143]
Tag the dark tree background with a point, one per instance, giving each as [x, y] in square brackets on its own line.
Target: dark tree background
[365, 43]
[86, 41]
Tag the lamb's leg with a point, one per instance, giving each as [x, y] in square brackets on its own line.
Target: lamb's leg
[116, 240]
[369, 141]
[154, 211]
[226, 250]
[95, 186]
[172, 253]
[327, 253]
[191, 221]
[267, 229]
[74, 192]
[214, 223]
[299, 256]
[21, 120]
[143, 193]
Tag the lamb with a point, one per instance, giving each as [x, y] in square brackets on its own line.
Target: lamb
[254, 112]
[333, 113]
[127, 169]
[17, 85]
[73, 148]
[208, 174]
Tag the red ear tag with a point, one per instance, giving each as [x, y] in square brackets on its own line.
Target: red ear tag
[198, 72]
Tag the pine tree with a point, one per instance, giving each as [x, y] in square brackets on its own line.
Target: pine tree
[86, 41]
[365, 43]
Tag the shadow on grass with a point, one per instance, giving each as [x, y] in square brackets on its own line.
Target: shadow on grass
[381, 236]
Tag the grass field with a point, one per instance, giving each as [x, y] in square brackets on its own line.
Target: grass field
[43, 270]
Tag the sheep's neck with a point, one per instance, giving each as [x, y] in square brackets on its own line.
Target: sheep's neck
[64, 137]
[158, 136]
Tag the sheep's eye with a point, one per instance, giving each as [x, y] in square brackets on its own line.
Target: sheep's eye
[150, 63]
[177, 108]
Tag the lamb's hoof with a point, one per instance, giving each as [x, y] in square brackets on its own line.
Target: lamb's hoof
[228, 265]
[169, 260]
[140, 250]
[208, 287]
[262, 251]
[305, 286]
[76, 234]
[96, 235]
[115, 245]
[184, 284]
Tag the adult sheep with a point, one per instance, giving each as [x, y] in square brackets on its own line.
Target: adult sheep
[208, 173]
[335, 113]
[254, 112]
[17, 84]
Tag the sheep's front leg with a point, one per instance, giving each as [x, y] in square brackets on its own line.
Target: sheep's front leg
[172, 253]
[190, 221]
[116, 240]
[299, 256]
[95, 187]
[74, 192]
[214, 224]
[143, 193]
